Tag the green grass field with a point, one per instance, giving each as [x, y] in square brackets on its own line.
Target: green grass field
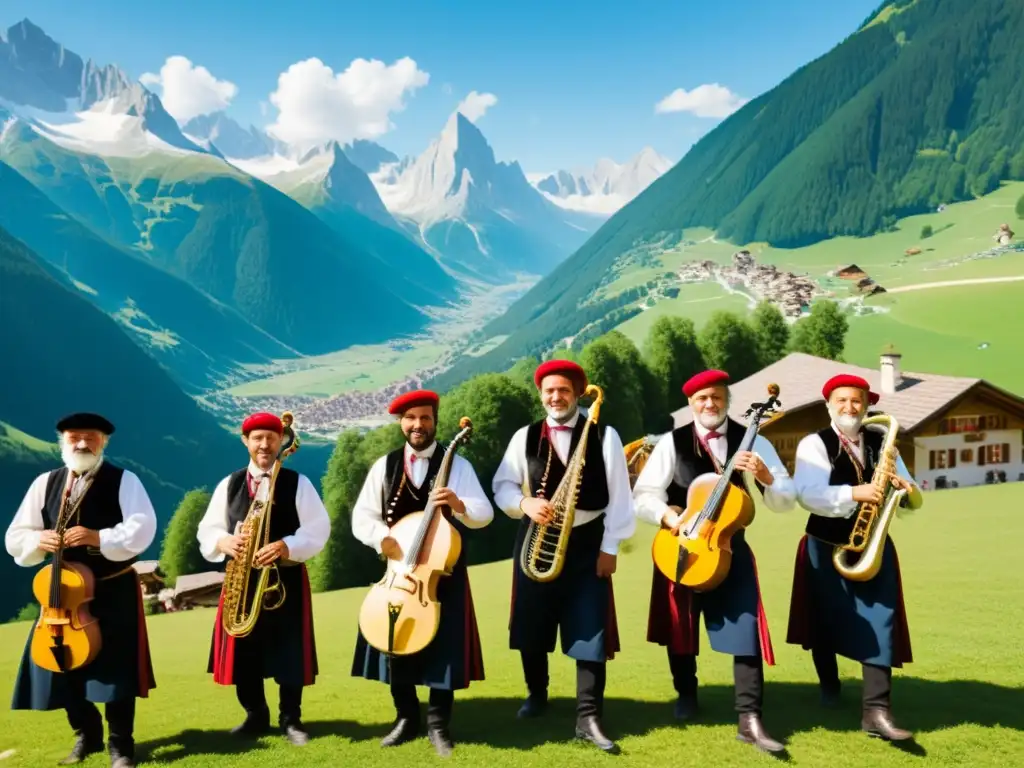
[963, 695]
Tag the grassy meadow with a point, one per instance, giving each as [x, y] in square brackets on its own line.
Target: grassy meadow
[964, 695]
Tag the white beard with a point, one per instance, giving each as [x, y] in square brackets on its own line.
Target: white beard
[79, 462]
[560, 415]
[848, 425]
[712, 420]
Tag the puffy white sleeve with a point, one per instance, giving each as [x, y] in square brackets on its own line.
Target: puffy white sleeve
[314, 524]
[22, 537]
[812, 474]
[619, 517]
[466, 485]
[133, 535]
[650, 493]
[368, 524]
[780, 496]
[511, 475]
[214, 525]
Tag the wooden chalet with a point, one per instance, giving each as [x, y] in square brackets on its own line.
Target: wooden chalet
[954, 431]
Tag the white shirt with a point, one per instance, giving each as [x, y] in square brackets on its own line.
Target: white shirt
[307, 541]
[811, 475]
[619, 520]
[651, 489]
[368, 518]
[126, 540]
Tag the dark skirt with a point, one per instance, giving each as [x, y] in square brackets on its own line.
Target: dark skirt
[282, 645]
[733, 612]
[454, 657]
[578, 604]
[863, 621]
[122, 669]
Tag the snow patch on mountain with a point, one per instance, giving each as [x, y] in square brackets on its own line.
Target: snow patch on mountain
[604, 188]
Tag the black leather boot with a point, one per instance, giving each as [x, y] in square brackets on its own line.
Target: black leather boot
[751, 731]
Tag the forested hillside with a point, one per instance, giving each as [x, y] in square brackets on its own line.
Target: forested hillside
[923, 105]
[65, 353]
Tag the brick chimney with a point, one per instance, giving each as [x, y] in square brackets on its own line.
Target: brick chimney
[892, 376]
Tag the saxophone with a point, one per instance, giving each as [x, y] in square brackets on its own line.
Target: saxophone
[244, 596]
[543, 554]
[871, 526]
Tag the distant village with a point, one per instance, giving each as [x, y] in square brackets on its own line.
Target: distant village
[792, 293]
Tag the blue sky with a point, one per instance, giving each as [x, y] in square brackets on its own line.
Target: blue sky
[573, 81]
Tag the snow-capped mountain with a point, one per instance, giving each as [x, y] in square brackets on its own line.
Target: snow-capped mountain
[604, 188]
[325, 176]
[481, 215]
[79, 104]
[229, 137]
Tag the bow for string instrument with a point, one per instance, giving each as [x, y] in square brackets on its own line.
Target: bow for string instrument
[66, 636]
[401, 613]
[700, 553]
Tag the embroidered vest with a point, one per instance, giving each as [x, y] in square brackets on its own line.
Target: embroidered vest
[692, 460]
[284, 515]
[836, 530]
[399, 497]
[541, 458]
[100, 508]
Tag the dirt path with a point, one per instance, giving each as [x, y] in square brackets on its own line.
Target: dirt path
[950, 283]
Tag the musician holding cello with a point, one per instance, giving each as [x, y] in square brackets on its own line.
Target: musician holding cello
[579, 601]
[733, 610]
[94, 519]
[862, 618]
[280, 643]
[399, 485]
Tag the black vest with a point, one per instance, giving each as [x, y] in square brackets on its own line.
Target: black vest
[284, 516]
[541, 456]
[692, 460]
[399, 497]
[836, 530]
[100, 508]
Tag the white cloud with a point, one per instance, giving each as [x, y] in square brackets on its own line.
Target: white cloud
[475, 105]
[316, 105]
[708, 100]
[188, 91]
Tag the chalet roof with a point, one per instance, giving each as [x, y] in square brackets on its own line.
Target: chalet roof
[801, 376]
[850, 269]
[192, 582]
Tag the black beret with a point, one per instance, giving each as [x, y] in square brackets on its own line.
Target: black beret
[85, 421]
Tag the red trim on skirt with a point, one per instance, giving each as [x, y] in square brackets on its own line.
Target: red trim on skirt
[224, 644]
[473, 650]
[673, 620]
[145, 661]
[801, 628]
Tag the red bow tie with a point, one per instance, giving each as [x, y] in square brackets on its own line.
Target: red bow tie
[713, 435]
[561, 428]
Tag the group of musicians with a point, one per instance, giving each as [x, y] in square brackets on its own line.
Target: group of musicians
[98, 515]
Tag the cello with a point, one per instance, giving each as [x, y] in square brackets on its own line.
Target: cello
[699, 553]
[66, 636]
[401, 614]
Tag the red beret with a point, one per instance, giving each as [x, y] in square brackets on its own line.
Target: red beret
[566, 368]
[408, 400]
[848, 380]
[262, 421]
[703, 380]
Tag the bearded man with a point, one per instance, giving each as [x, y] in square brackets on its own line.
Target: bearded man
[107, 521]
[398, 484]
[580, 603]
[282, 644]
[733, 611]
[862, 620]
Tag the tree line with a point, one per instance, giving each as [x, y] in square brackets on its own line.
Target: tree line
[642, 386]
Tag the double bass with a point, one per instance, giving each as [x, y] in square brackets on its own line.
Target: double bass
[66, 636]
[401, 614]
[699, 553]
